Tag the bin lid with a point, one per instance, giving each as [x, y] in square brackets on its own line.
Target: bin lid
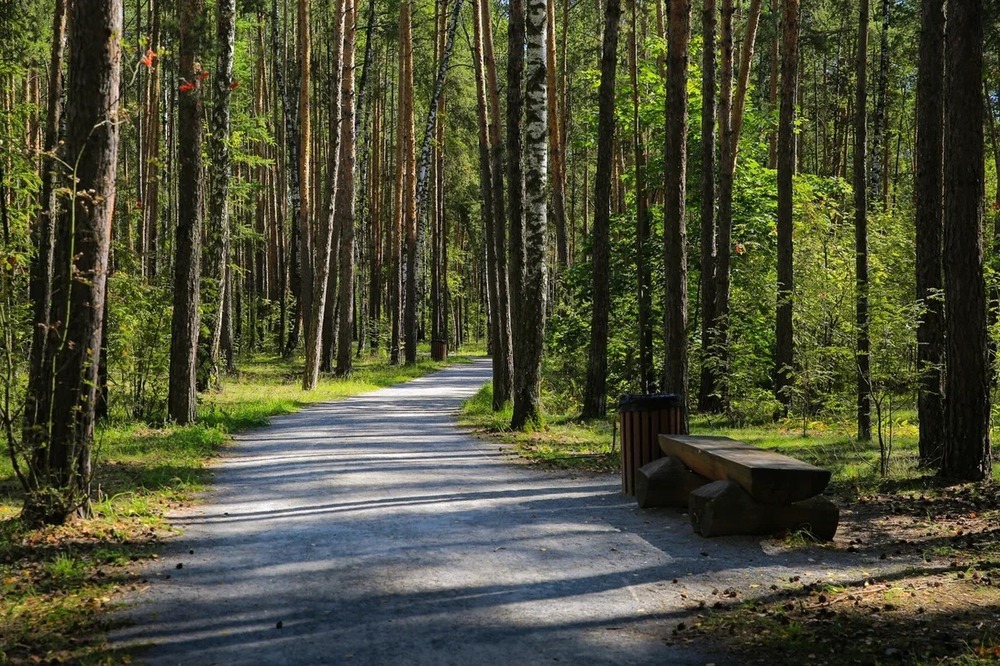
[648, 402]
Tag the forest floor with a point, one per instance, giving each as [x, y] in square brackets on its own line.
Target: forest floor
[942, 607]
[58, 585]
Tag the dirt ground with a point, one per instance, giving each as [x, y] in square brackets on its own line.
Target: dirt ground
[945, 609]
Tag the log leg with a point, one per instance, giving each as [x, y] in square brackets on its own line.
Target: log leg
[723, 507]
[666, 482]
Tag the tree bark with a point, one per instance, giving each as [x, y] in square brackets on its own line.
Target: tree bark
[876, 191]
[929, 222]
[409, 201]
[515, 184]
[293, 187]
[186, 320]
[487, 183]
[644, 280]
[595, 391]
[396, 233]
[221, 173]
[966, 454]
[708, 399]
[345, 209]
[861, 230]
[423, 176]
[316, 252]
[38, 397]
[557, 151]
[60, 472]
[784, 357]
[534, 288]
[503, 368]
[729, 150]
[675, 378]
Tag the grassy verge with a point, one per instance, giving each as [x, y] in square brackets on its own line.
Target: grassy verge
[565, 442]
[945, 610]
[56, 583]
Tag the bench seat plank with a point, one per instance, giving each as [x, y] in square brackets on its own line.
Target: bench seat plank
[768, 477]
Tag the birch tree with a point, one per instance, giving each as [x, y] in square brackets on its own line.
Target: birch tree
[531, 324]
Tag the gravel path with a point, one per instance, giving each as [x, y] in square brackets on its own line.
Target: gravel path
[373, 531]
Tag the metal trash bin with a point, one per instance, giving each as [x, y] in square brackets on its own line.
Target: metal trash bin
[641, 417]
[439, 350]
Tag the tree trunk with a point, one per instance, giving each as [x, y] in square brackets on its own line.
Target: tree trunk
[316, 252]
[221, 172]
[515, 184]
[59, 477]
[345, 210]
[302, 222]
[423, 178]
[876, 191]
[729, 150]
[928, 188]
[773, 83]
[644, 280]
[187, 244]
[595, 392]
[675, 378]
[409, 201]
[38, 397]
[557, 152]
[708, 398]
[150, 197]
[396, 249]
[967, 382]
[531, 323]
[503, 368]
[784, 357]
[293, 185]
[861, 231]
[487, 183]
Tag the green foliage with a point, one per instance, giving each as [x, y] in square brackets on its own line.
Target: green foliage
[138, 347]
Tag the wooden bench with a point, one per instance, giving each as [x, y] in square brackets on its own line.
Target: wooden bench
[730, 487]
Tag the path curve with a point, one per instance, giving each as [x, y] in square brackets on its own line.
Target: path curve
[377, 532]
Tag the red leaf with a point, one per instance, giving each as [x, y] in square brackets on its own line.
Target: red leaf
[234, 85]
[203, 75]
[148, 59]
[186, 87]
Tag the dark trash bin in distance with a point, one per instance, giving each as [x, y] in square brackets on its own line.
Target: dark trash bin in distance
[439, 350]
[641, 418]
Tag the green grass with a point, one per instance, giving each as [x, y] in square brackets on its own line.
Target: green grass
[563, 441]
[566, 441]
[56, 581]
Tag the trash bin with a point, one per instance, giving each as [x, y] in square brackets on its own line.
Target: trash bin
[439, 350]
[641, 417]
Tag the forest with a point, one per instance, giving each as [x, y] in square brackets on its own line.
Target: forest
[773, 209]
[785, 212]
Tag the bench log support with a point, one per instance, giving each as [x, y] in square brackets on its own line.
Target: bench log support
[725, 508]
[666, 482]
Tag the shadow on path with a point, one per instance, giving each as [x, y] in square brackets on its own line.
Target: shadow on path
[376, 532]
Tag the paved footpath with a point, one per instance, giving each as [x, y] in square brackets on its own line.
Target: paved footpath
[374, 531]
